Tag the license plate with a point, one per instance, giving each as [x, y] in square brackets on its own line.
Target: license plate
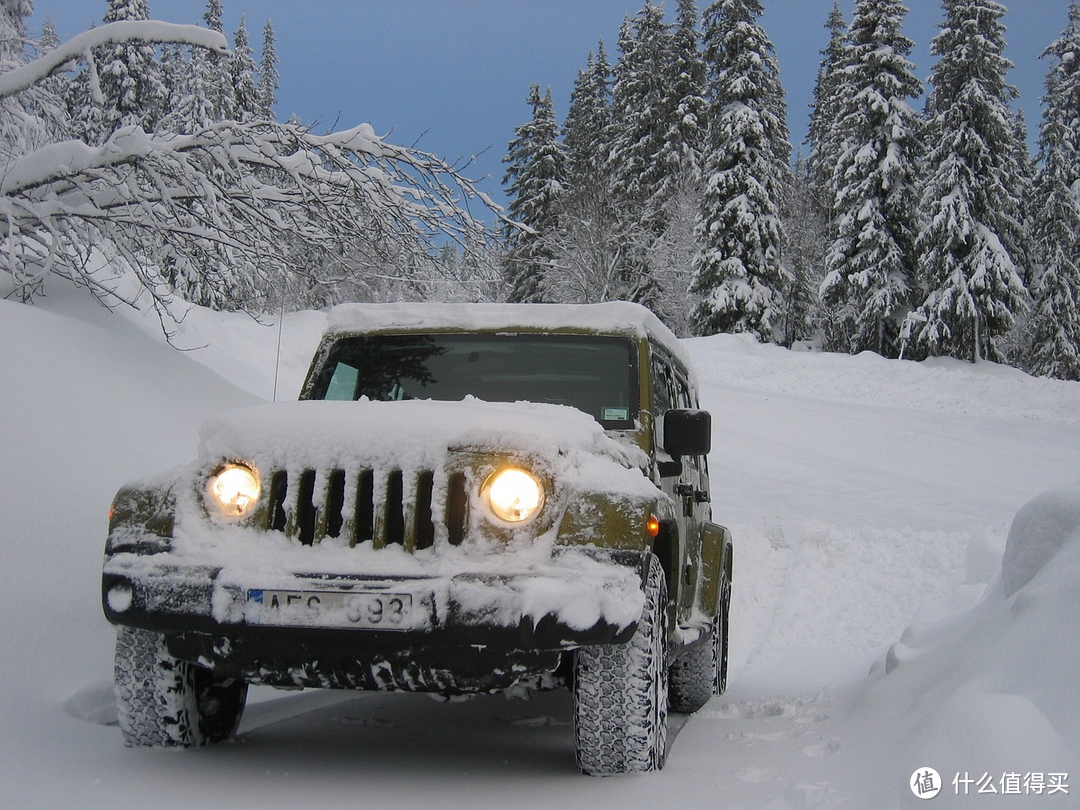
[377, 610]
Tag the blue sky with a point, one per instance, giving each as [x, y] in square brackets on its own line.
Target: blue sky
[452, 76]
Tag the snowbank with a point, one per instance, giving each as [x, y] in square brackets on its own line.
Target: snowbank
[993, 689]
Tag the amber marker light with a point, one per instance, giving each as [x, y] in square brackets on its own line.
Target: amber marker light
[652, 526]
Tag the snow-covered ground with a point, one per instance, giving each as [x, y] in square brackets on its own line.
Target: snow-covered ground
[873, 632]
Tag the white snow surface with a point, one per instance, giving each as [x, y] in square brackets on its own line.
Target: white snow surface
[874, 629]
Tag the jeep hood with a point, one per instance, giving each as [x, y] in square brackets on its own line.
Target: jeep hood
[418, 434]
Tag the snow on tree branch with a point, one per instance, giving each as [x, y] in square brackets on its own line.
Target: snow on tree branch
[230, 196]
[76, 48]
[224, 212]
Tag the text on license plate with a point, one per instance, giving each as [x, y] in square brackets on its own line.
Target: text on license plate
[377, 610]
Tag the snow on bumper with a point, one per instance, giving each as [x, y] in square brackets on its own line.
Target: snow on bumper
[578, 597]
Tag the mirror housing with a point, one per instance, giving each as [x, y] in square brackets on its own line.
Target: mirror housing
[687, 432]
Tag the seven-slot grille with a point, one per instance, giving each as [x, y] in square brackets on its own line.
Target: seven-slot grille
[380, 507]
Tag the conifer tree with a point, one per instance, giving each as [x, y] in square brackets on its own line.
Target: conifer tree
[218, 87]
[1055, 325]
[823, 135]
[739, 273]
[588, 124]
[246, 105]
[269, 81]
[639, 105]
[130, 75]
[680, 157]
[870, 266]
[534, 179]
[586, 249]
[966, 251]
[129, 91]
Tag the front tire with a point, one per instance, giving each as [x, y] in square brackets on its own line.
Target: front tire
[167, 703]
[621, 693]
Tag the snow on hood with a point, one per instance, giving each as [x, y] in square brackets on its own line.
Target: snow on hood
[417, 435]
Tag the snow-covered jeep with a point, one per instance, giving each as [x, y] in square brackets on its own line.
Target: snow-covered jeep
[466, 499]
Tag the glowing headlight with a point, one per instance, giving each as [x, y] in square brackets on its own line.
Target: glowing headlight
[234, 489]
[513, 495]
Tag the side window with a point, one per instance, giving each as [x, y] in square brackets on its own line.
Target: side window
[664, 394]
[683, 393]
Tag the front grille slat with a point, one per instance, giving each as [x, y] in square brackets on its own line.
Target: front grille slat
[392, 507]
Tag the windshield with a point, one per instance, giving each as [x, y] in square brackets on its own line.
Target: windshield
[596, 375]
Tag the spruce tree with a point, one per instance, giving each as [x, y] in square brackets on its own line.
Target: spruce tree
[534, 179]
[1055, 325]
[269, 81]
[823, 134]
[219, 98]
[680, 156]
[739, 274]
[130, 75]
[585, 245]
[129, 78]
[246, 104]
[588, 125]
[640, 117]
[967, 256]
[870, 265]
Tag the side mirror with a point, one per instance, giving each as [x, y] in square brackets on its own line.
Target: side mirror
[687, 432]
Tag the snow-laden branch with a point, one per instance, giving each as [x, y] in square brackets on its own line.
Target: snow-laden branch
[152, 31]
[226, 205]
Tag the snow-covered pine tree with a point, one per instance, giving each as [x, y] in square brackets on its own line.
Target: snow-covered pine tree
[587, 124]
[269, 81]
[870, 266]
[823, 134]
[640, 117]
[1055, 214]
[192, 89]
[586, 248]
[966, 259]
[680, 157]
[534, 180]
[738, 271]
[246, 105]
[219, 93]
[129, 76]
[678, 193]
[38, 115]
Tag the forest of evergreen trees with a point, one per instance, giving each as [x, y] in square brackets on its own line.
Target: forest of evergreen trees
[671, 181]
[907, 233]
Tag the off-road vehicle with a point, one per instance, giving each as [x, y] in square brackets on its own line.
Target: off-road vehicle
[465, 499]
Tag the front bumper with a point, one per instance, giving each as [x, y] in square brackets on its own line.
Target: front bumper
[548, 609]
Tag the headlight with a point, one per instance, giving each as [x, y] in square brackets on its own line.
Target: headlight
[513, 495]
[234, 489]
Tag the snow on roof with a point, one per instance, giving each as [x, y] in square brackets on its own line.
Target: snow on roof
[613, 317]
